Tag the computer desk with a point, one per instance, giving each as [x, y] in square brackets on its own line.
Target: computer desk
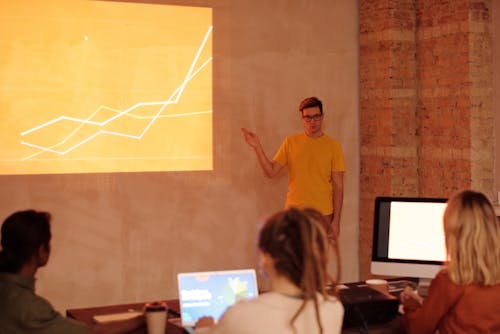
[86, 315]
[394, 324]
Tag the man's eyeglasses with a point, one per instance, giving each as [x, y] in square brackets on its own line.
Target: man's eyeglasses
[316, 117]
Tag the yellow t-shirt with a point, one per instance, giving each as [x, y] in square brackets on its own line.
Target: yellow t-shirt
[310, 163]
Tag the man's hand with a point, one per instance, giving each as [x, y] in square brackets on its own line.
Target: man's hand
[205, 322]
[269, 167]
[334, 230]
[251, 138]
[410, 300]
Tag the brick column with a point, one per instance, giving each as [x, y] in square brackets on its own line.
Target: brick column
[388, 121]
[426, 118]
[481, 97]
[444, 97]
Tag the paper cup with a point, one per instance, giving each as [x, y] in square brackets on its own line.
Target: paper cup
[156, 317]
[381, 285]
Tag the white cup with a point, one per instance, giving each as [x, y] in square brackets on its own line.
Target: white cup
[381, 285]
[156, 317]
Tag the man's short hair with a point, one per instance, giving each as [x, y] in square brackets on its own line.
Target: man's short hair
[311, 102]
[23, 232]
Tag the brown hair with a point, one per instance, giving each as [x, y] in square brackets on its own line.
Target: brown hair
[23, 232]
[472, 239]
[311, 102]
[297, 242]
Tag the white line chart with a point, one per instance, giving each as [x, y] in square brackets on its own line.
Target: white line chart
[173, 99]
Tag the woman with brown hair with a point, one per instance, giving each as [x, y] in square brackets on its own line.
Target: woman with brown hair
[465, 296]
[293, 249]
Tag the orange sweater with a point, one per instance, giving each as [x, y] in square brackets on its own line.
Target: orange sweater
[453, 309]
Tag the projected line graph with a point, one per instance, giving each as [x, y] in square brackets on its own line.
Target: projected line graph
[85, 90]
[174, 99]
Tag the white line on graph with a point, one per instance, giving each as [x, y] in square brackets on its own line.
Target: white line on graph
[173, 99]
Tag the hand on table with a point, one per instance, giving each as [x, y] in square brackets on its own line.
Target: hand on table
[410, 299]
[205, 322]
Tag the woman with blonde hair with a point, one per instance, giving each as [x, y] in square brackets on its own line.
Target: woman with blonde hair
[465, 296]
[293, 253]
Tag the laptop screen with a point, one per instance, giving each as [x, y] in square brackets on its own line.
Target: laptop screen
[211, 293]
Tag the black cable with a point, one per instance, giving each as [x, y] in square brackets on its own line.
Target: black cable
[363, 329]
[353, 317]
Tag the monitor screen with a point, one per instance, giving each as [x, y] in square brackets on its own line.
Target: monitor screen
[408, 236]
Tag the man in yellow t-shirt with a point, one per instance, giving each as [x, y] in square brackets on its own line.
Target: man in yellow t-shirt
[315, 164]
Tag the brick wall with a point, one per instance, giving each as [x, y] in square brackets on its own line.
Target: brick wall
[444, 97]
[426, 118]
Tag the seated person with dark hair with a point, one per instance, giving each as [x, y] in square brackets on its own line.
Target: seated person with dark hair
[25, 244]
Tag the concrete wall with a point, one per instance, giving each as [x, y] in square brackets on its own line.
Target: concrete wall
[124, 237]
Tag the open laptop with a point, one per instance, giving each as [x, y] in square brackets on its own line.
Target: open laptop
[211, 293]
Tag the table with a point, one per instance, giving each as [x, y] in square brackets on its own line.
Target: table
[86, 315]
[394, 326]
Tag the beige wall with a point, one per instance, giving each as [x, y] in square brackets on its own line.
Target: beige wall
[123, 237]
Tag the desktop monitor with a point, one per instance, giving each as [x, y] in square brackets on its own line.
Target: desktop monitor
[408, 237]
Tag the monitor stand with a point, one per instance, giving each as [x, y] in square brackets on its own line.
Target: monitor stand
[423, 286]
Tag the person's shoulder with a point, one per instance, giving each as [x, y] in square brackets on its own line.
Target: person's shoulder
[442, 277]
[267, 300]
[332, 305]
[243, 305]
[263, 298]
[33, 311]
[332, 300]
[243, 312]
[39, 307]
[18, 292]
[442, 274]
[442, 282]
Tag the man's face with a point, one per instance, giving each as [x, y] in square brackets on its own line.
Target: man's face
[43, 255]
[313, 121]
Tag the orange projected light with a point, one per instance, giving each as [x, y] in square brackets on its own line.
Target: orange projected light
[99, 87]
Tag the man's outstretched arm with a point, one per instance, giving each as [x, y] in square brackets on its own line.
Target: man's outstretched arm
[269, 167]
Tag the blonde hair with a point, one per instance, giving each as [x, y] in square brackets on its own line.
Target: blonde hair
[297, 242]
[472, 239]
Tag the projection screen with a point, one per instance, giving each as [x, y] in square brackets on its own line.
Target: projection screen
[104, 86]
